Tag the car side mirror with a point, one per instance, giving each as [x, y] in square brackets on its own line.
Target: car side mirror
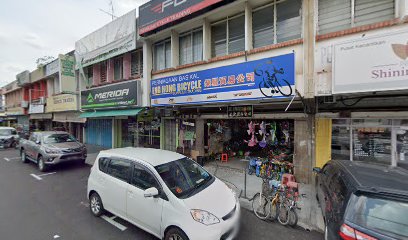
[317, 170]
[151, 192]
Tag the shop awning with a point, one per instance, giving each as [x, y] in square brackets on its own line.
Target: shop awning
[111, 113]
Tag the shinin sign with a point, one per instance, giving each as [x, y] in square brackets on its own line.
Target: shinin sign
[116, 95]
[261, 79]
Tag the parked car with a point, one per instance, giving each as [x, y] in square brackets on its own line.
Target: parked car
[163, 193]
[8, 137]
[361, 200]
[50, 148]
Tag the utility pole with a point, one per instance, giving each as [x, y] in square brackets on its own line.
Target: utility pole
[112, 12]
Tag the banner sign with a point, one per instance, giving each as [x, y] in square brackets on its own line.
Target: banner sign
[124, 94]
[261, 79]
[52, 67]
[159, 13]
[23, 78]
[113, 39]
[62, 102]
[36, 108]
[240, 111]
[382, 64]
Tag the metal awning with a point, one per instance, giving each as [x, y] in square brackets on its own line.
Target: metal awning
[111, 113]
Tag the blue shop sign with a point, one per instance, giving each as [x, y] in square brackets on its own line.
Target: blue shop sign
[266, 78]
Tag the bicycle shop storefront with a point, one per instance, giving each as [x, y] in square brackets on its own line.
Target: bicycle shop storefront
[216, 110]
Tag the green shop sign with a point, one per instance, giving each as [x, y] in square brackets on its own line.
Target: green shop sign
[124, 94]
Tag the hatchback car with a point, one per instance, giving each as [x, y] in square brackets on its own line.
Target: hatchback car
[361, 200]
[163, 193]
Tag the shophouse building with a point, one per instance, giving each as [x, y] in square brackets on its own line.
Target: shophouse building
[16, 105]
[112, 90]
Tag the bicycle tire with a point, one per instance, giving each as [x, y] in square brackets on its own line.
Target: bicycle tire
[280, 88]
[293, 217]
[260, 206]
[283, 215]
[260, 89]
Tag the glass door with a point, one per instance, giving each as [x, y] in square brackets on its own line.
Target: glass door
[401, 137]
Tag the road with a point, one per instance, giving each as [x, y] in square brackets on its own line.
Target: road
[39, 206]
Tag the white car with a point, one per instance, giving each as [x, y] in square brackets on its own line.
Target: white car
[163, 193]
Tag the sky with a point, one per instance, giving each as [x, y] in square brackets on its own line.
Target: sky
[30, 29]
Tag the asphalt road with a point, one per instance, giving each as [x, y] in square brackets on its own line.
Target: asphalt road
[54, 206]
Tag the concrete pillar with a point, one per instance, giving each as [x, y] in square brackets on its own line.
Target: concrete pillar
[301, 158]
[147, 72]
[206, 40]
[127, 65]
[174, 49]
[309, 34]
[402, 8]
[248, 27]
[199, 142]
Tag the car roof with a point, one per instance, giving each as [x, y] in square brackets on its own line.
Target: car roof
[151, 156]
[8, 128]
[372, 177]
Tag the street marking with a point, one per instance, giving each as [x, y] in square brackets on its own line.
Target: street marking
[35, 176]
[8, 160]
[39, 177]
[56, 236]
[14, 158]
[116, 224]
[45, 174]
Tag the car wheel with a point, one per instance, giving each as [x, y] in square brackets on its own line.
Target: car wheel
[41, 165]
[95, 204]
[23, 157]
[175, 234]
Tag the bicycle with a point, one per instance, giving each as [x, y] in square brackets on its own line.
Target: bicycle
[272, 84]
[287, 210]
[265, 205]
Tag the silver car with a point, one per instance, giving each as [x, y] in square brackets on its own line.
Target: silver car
[8, 137]
[50, 148]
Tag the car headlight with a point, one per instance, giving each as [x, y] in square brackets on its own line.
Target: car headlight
[204, 217]
[48, 150]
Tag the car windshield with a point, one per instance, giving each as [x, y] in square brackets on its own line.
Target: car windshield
[184, 177]
[379, 214]
[5, 132]
[59, 138]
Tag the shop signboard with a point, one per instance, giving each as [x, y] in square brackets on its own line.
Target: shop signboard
[11, 111]
[113, 39]
[52, 67]
[266, 78]
[36, 108]
[160, 13]
[62, 102]
[382, 64]
[125, 94]
[23, 78]
[67, 73]
[240, 111]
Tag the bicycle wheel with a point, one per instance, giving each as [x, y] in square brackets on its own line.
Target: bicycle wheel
[283, 214]
[261, 206]
[286, 92]
[274, 211]
[293, 217]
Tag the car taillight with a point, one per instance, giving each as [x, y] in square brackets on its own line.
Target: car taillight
[349, 233]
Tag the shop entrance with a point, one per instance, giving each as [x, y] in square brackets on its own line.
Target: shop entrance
[244, 139]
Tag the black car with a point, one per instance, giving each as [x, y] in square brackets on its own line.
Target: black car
[361, 200]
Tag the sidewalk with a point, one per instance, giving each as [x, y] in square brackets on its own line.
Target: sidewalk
[310, 217]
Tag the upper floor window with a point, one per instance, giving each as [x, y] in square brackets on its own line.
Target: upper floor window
[342, 14]
[118, 68]
[88, 75]
[136, 63]
[228, 36]
[277, 22]
[103, 69]
[162, 55]
[191, 47]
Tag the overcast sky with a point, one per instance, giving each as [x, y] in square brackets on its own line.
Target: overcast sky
[30, 29]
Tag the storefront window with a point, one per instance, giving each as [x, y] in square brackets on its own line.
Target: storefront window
[187, 136]
[402, 142]
[148, 129]
[340, 142]
[129, 128]
[372, 144]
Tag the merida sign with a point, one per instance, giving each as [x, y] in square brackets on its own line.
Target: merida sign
[124, 94]
[158, 14]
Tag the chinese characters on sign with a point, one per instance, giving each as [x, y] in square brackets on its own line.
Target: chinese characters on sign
[240, 111]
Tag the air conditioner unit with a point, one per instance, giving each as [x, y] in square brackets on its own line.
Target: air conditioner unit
[24, 104]
[329, 99]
